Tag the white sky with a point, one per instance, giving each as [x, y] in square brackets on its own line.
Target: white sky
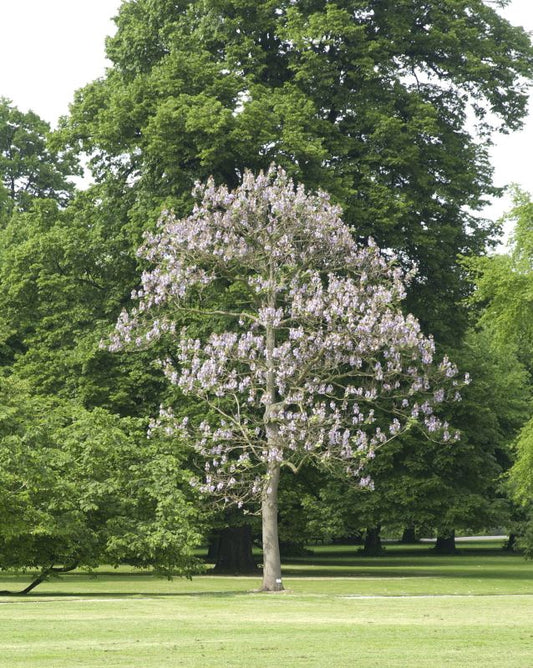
[511, 156]
[49, 48]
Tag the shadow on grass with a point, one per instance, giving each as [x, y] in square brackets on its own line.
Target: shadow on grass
[412, 572]
[43, 596]
[420, 561]
[398, 562]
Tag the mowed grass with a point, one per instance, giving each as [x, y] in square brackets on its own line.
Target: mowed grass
[407, 608]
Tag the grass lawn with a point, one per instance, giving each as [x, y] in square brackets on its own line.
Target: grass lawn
[408, 608]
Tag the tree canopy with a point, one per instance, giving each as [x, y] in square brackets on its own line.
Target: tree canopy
[504, 282]
[65, 275]
[504, 296]
[387, 106]
[81, 488]
[30, 165]
[370, 101]
[309, 358]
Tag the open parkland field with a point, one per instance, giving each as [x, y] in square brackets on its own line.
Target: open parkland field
[409, 607]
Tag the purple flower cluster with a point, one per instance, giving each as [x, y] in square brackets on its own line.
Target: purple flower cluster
[320, 363]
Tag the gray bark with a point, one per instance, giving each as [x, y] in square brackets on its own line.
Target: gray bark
[269, 510]
[269, 501]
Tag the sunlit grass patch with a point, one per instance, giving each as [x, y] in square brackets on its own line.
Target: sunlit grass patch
[409, 607]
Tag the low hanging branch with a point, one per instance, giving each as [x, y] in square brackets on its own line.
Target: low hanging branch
[42, 577]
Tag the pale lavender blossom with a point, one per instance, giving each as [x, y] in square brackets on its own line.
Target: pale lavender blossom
[316, 360]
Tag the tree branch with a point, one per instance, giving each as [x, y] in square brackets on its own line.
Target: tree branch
[42, 577]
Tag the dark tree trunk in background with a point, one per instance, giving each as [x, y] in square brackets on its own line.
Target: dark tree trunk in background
[212, 547]
[510, 543]
[373, 541]
[289, 548]
[233, 547]
[446, 542]
[409, 535]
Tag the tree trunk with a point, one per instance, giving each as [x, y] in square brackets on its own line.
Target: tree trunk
[269, 512]
[212, 546]
[446, 542]
[269, 498]
[373, 541]
[510, 543]
[233, 551]
[409, 535]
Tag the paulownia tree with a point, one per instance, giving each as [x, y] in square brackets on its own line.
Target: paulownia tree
[309, 356]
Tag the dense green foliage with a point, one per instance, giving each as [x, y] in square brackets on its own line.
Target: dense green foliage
[65, 275]
[366, 100]
[371, 101]
[29, 165]
[505, 298]
[85, 487]
[504, 284]
[80, 485]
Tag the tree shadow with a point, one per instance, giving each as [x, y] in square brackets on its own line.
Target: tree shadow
[466, 562]
[44, 596]
[479, 563]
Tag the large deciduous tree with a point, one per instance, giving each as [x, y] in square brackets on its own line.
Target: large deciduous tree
[30, 165]
[309, 357]
[374, 102]
[368, 100]
[81, 488]
[504, 285]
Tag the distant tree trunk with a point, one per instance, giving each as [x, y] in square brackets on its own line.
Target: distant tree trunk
[510, 543]
[212, 547]
[446, 542]
[231, 549]
[409, 535]
[373, 541]
[291, 548]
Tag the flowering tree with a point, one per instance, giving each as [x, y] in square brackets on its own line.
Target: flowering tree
[309, 356]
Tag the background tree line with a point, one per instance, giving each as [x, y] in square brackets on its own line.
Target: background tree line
[370, 101]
